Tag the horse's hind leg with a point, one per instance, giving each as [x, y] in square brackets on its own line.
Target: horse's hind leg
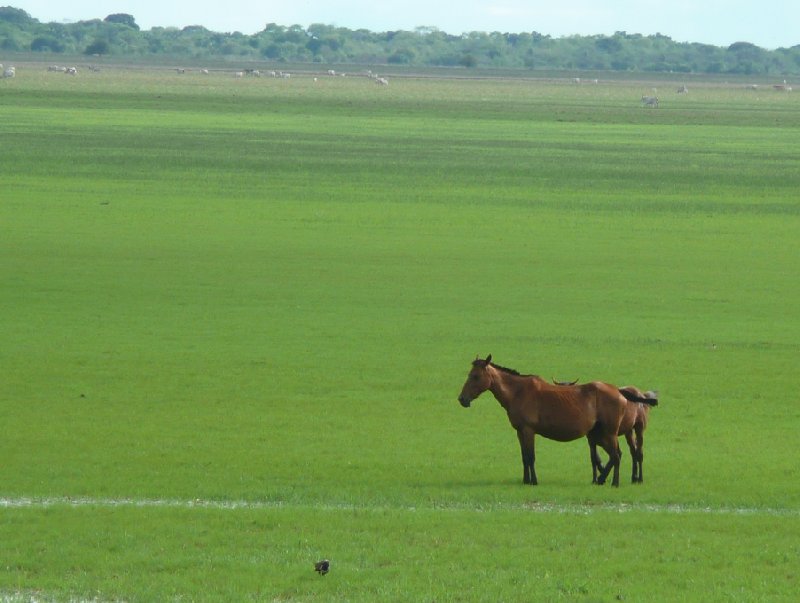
[611, 446]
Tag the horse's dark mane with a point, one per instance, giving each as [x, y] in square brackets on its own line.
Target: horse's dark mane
[505, 369]
[511, 371]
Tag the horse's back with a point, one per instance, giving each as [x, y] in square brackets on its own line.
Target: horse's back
[606, 393]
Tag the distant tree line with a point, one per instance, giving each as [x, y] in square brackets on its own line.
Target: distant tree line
[118, 35]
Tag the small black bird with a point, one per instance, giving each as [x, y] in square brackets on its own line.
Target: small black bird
[322, 566]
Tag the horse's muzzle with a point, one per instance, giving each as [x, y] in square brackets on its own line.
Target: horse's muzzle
[464, 401]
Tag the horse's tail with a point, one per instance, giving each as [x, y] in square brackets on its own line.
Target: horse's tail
[634, 395]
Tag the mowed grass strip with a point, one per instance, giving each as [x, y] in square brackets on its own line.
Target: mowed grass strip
[268, 292]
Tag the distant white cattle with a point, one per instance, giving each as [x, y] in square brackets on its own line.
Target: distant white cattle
[650, 101]
[71, 71]
[204, 71]
[238, 74]
[382, 81]
[10, 72]
[683, 90]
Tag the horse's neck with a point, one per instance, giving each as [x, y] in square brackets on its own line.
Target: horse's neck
[504, 386]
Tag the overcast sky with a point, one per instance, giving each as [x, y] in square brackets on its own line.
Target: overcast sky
[766, 23]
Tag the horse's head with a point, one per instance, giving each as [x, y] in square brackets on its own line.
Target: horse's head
[478, 381]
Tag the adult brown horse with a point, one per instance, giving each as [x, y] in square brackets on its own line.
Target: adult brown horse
[633, 424]
[557, 412]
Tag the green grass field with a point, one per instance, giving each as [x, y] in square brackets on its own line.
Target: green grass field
[237, 313]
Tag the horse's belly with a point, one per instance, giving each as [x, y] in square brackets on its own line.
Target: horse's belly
[564, 428]
[562, 434]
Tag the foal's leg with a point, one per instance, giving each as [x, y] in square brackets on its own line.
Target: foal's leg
[634, 457]
[526, 437]
[640, 451]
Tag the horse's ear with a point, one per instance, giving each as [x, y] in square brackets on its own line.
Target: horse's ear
[488, 360]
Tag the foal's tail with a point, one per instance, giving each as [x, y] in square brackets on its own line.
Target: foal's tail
[634, 395]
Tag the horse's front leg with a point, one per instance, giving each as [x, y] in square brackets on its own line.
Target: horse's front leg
[594, 458]
[526, 437]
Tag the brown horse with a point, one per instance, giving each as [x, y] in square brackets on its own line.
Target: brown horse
[557, 412]
[633, 424]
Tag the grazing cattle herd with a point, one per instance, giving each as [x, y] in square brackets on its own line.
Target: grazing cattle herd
[238, 73]
[647, 100]
[650, 101]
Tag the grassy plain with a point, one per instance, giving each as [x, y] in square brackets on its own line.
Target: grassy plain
[236, 314]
